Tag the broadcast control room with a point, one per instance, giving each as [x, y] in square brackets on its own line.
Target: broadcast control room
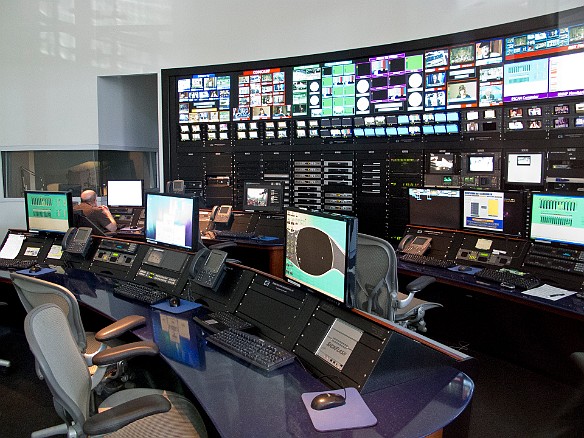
[384, 238]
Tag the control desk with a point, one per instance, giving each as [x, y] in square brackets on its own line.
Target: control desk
[387, 364]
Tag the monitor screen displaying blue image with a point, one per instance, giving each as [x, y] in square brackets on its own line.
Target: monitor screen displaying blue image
[172, 220]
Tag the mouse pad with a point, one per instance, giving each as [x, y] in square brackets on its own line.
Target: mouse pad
[36, 274]
[353, 414]
[184, 306]
[471, 270]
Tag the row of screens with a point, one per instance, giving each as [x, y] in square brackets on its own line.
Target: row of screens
[320, 247]
[554, 217]
[522, 168]
[479, 73]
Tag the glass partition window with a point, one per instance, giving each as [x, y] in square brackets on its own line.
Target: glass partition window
[75, 170]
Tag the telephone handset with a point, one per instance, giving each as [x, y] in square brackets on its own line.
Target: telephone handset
[414, 244]
[221, 214]
[77, 240]
[208, 268]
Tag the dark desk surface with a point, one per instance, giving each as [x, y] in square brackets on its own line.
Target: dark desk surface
[570, 306]
[242, 401]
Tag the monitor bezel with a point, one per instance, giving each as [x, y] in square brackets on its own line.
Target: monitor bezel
[194, 219]
[350, 257]
[69, 199]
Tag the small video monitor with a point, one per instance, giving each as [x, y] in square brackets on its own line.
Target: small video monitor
[561, 122]
[481, 163]
[561, 109]
[524, 168]
[263, 196]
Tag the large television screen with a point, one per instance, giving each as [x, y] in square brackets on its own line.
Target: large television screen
[320, 252]
[172, 220]
[557, 218]
[48, 212]
[128, 193]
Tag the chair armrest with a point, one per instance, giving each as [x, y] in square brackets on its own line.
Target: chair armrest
[120, 327]
[121, 415]
[419, 283]
[126, 351]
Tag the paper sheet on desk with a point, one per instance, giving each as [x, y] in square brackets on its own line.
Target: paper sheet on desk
[12, 246]
[549, 292]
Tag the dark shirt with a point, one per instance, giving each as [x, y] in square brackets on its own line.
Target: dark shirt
[94, 214]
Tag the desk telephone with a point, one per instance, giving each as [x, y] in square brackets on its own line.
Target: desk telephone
[208, 268]
[77, 240]
[221, 214]
[414, 244]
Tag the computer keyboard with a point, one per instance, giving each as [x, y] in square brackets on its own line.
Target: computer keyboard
[139, 292]
[426, 260]
[252, 349]
[508, 277]
[234, 234]
[218, 321]
[16, 264]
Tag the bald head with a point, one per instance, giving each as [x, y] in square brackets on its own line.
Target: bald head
[89, 196]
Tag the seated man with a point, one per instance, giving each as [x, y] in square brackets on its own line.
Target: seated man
[98, 214]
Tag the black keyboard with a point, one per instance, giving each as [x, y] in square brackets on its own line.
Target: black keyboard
[139, 292]
[252, 349]
[234, 234]
[16, 264]
[426, 260]
[505, 277]
[218, 321]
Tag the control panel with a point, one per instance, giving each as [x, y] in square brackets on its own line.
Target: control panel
[114, 258]
[491, 250]
[558, 259]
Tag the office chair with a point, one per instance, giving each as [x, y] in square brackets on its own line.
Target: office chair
[5, 364]
[140, 412]
[34, 292]
[377, 286]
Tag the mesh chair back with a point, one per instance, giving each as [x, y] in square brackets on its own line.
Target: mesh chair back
[50, 339]
[34, 292]
[376, 275]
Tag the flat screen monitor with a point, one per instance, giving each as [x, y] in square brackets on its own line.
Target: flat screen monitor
[481, 163]
[483, 210]
[435, 207]
[442, 163]
[524, 168]
[48, 212]
[172, 220]
[263, 196]
[128, 193]
[557, 218]
[320, 252]
[500, 212]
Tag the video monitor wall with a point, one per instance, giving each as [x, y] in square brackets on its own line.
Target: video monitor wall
[484, 72]
[515, 87]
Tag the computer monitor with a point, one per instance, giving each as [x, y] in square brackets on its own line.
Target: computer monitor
[524, 168]
[263, 196]
[128, 193]
[483, 210]
[172, 220]
[435, 207]
[557, 218]
[48, 212]
[499, 212]
[481, 163]
[320, 253]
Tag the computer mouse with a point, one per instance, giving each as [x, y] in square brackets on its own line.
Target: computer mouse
[174, 301]
[35, 268]
[326, 401]
[464, 268]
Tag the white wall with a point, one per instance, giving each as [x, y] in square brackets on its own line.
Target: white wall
[52, 51]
